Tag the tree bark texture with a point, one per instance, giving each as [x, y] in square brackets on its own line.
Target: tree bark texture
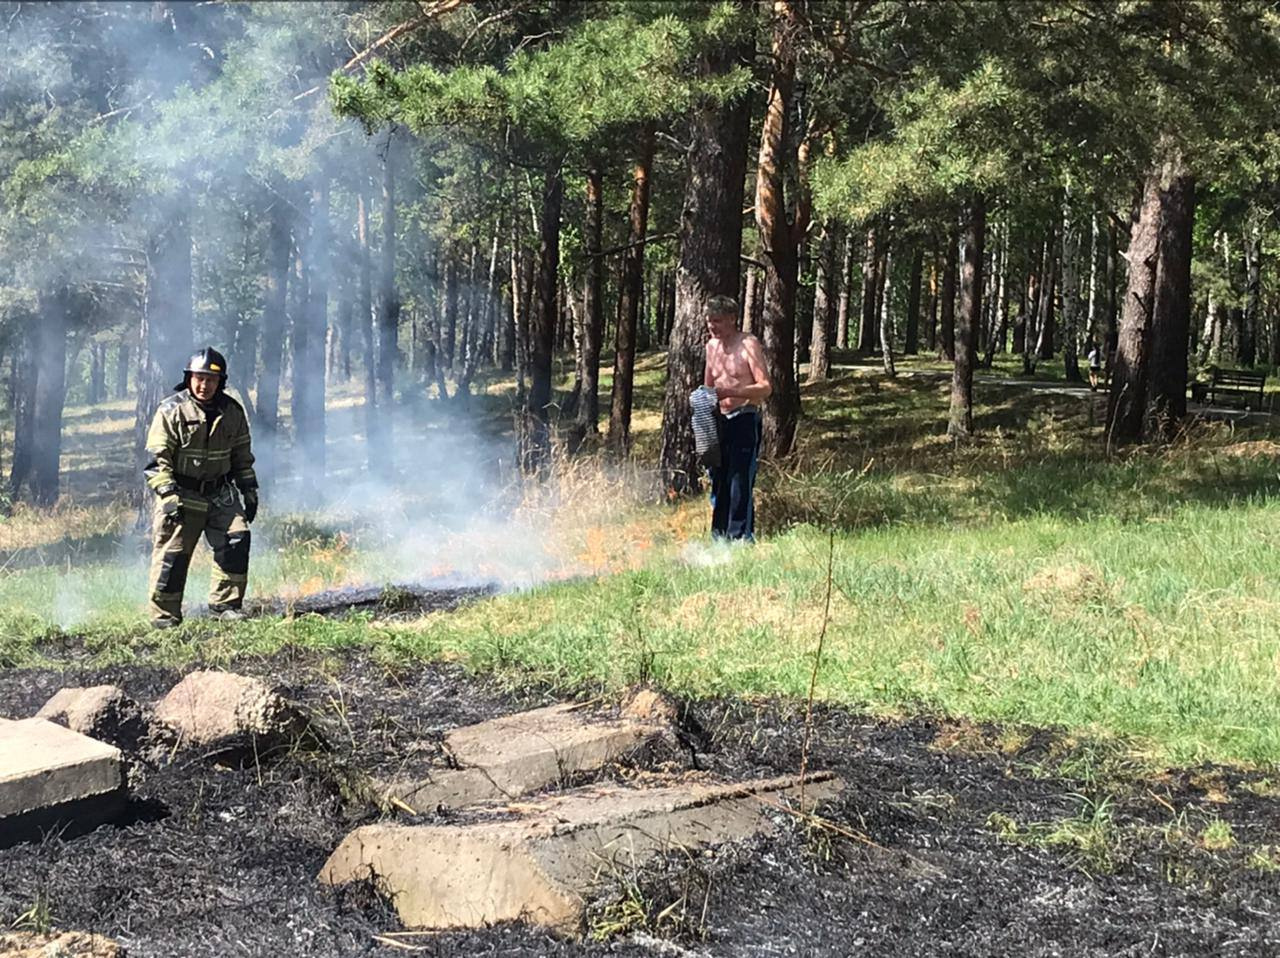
[166, 334]
[1252, 289]
[22, 400]
[960, 421]
[592, 302]
[1127, 402]
[947, 321]
[388, 320]
[536, 439]
[824, 301]
[870, 287]
[1046, 333]
[710, 247]
[1171, 312]
[886, 315]
[781, 234]
[913, 302]
[845, 287]
[1070, 298]
[50, 393]
[624, 357]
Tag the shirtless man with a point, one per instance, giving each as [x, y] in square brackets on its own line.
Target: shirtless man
[736, 371]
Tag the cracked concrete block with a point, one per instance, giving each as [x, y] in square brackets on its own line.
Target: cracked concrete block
[215, 707]
[544, 864]
[50, 774]
[517, 754]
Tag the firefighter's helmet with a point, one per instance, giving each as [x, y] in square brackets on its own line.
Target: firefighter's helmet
[207, 360]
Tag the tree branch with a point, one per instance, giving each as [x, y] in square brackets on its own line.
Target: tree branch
[428, 13]
[656, 238]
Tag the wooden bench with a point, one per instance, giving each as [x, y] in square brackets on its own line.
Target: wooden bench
[1239, 385]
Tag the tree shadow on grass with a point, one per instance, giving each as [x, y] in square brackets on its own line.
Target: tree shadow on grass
[102, 547]
[874, 452]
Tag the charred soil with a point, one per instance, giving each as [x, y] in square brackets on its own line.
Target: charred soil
[949, 840]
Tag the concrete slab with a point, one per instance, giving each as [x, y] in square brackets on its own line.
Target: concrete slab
[522, 753]
[51, 775]
[43, 764]
[541, 867]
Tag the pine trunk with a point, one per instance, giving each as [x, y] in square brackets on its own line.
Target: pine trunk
[1046, 334]
[166, 340]
[1252, 288]
[1070, 298]
[592, 303]
[960, 421]
[388, 319]
[50, 394]
[870, 286]
[845, 287]
[535, 449]
[624, 358]
[710, 247]
[781, 232]
[1171, 312]
[122, 371]
[279, 247]
[308, 344]
[368, 341]
[886, 315]
[947, 333]
[912, 347]
[97, 373]
[824, 298]
[22, 400]
[1127, 402]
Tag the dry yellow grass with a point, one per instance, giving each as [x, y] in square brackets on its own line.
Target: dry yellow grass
[32, 528]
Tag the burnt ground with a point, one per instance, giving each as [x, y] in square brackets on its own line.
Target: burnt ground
[950, 841]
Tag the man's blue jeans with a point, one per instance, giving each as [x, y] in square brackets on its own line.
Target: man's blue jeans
[732, 482]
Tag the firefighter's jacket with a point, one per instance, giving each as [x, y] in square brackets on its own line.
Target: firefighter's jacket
[197, 448]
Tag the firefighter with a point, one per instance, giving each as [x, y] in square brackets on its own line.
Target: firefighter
[201, 471]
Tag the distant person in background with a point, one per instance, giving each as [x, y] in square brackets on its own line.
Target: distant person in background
[1095, 364]
[736, 370]
[200, 455]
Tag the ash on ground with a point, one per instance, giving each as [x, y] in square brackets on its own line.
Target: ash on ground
[932, 853]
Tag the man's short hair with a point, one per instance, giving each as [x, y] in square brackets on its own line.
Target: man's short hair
[718, 305]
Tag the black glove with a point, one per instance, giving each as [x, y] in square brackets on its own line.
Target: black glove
[250, 504]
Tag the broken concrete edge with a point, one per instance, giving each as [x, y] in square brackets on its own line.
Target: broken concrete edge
[43, 764]
[515, 755]
[541, 865]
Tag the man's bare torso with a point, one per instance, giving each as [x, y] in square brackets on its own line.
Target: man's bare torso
[727, 365]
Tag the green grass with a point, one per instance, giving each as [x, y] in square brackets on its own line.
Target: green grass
[1026, 578]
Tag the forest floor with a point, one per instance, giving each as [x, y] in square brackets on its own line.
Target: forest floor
[951, 838]
[1049, 672]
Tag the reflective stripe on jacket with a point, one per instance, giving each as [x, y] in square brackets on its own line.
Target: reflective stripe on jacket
[188, 440]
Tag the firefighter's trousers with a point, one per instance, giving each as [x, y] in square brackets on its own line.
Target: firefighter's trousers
[221, 518]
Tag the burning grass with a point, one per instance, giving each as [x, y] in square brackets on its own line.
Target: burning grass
[1027, 576]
